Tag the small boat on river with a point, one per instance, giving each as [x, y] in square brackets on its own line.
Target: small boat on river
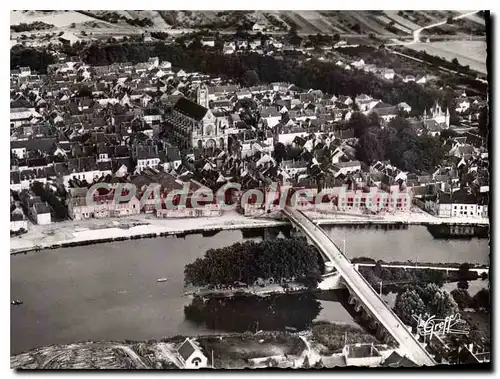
[16, 302]
[161, 280]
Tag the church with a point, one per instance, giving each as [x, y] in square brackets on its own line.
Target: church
[438, 116]
[195, 126]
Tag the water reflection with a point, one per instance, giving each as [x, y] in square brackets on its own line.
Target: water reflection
[254, 313]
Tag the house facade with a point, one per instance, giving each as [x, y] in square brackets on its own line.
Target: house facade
[459, 203]
[195, 126]
[191, 355]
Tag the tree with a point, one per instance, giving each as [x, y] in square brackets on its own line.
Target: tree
[463, 284]
[464, 271]
[431, 151]
[399, 123]
[84, 92]
[428, 299]
[249, 261]
[359, 123]
[369, 148]
[442, 304]
[410, 161]
[390, 141]
[447, 133]
[373, 119]
[427, 292]
[481, 300]
[279, 152]
[293, 37]
[462, 298]
[484, 122]
[250, 78]
[47, 195]
[37, 60]
[449, 20]
[409, 303]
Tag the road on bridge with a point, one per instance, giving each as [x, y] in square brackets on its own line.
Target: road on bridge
[363, 290]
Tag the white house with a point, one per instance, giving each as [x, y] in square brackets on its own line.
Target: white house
[362, 355]
[19, 151]
[389, 74]
[88, 176]
[347, 167]
[258, 27]
[41, 213]
[404, 107]
[460, 203]
[421, 80]
[255, 44]
[463, 106]
[20, 116]
[409, 78]
[24, 71]
[358, 64]
[17, 220]
[191, 355]
[208, 41]
[337, 154]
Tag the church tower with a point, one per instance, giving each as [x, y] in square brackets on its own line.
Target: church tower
[202, 96]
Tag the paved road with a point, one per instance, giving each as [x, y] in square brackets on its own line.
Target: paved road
[363, 290]
[417, 32]
[416, 267]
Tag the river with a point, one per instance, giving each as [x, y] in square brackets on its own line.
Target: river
[110, 292]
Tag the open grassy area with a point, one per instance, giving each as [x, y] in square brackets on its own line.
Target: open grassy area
[333, 337]
[471, 53]
[234, 351]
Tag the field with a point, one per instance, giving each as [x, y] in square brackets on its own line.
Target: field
[346, 23]
[85, 355]
[472, 53]
[59, 18]
[70, 23]
[322, 23]
[393, 15]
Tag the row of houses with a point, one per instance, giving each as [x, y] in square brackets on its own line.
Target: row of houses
[189, 124]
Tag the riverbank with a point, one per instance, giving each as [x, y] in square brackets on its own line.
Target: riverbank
[228, 351]
[88, 232]
[329, 282]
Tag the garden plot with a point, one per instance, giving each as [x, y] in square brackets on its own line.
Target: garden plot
[366, 22]
[393, 15]
[319, 21]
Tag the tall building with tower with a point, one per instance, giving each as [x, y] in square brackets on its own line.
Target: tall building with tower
[438, 115]
[202, 96]
[195, 126]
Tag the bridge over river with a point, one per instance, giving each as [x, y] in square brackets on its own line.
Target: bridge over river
[361, 290]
